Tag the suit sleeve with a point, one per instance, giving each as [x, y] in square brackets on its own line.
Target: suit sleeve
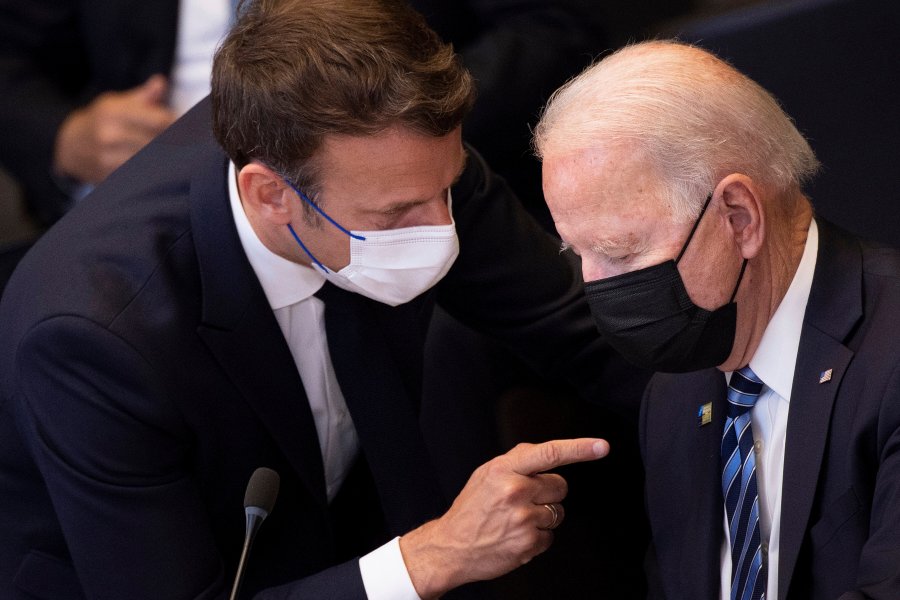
[114, 454]
[519, 52]
[512, 282]
[879, 563]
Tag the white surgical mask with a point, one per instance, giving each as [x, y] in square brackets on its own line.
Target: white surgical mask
[392, 266]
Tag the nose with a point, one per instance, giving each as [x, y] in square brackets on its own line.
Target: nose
[589, 272]
[593, 269]
[436, 212]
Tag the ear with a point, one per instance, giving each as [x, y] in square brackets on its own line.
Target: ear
[743, 212]
[265, 195]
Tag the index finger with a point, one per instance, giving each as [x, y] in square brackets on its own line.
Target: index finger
[529, 459]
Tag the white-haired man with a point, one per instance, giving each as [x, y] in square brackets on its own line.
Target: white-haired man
[679, 183]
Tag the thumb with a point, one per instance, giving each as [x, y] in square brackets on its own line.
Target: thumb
[154, 90]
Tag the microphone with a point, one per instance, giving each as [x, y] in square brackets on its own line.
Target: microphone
[262, 490]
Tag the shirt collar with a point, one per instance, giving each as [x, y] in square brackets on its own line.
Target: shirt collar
[284, 282]
[776, 356]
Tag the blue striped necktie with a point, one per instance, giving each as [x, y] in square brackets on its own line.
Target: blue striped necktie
[748, 565]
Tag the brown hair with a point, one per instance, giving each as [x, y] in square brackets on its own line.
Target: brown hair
[291, 72]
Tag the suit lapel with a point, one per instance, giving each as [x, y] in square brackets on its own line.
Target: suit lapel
[240, 330]
[834, 307]
[707, 534]
[383, 412]
[684, 486]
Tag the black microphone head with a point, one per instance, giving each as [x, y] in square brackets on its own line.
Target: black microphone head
[262, 489]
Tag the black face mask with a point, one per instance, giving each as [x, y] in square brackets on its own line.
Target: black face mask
[649, 318]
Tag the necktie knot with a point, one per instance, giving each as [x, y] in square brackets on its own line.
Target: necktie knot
[743, 391]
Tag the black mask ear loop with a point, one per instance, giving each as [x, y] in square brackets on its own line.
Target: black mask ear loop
[694, 228]
[691, 235]
[738, 284]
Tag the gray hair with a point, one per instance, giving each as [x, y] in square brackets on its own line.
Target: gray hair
[693, 117]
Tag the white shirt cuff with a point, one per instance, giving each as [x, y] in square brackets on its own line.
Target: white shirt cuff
[384, 574]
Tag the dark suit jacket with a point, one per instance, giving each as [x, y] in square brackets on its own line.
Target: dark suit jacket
[144, 378]
[840, 512]
[519, 52]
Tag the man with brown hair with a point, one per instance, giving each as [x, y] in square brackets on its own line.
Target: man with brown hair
[205, 313]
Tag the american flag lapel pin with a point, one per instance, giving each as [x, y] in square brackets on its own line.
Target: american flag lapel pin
[825, 376]
[704, 414]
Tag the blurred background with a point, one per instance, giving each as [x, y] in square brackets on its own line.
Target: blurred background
[616, 21]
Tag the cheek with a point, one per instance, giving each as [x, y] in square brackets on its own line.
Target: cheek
[338, 252]
[590, 272]
[330, 246]
[707, 298]
[710, 285]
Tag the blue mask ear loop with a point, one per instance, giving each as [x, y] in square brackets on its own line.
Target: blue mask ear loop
[691, 235]
[305, 249]
[738, 284]
[322, 212]
[330, 220]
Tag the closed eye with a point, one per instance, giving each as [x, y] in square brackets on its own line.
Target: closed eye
[393, 211]
[619, 259]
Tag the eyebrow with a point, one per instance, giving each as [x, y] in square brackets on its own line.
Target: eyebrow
[609, 245]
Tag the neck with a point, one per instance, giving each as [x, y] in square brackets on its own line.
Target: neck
[769, 275]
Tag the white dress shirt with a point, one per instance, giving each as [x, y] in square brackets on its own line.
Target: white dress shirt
[774, 363]
[202, 25]
[289, 288]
